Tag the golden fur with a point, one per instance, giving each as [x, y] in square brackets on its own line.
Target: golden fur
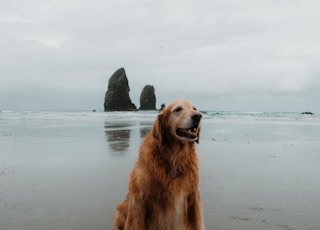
[164, 184]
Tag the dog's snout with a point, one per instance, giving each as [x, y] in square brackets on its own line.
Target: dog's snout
[196, 117]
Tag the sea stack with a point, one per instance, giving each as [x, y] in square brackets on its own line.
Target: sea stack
[307, 113]
[148, 98]
[117, 96]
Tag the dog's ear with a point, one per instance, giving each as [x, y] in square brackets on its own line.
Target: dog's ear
[159, 129]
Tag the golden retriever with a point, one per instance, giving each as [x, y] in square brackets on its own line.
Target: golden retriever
[164, 184]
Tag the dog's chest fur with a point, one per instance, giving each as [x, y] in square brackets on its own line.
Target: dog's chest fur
[169, 200]
[179, 214]
[172, 214]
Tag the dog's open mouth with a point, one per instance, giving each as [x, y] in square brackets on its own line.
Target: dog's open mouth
[188, 133]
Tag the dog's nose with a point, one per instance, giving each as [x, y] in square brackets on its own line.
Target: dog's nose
[196, 117]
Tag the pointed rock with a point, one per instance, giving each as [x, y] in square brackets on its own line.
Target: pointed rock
[117, 96]
[148, 98]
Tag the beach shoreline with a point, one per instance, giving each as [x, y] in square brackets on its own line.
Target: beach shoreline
[71, 173]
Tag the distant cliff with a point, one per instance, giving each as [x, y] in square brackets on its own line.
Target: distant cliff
[117, 96]
[148, 98]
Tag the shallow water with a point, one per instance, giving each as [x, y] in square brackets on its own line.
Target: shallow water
[68, 170]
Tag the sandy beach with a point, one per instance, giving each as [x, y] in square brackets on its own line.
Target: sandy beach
[69, 171]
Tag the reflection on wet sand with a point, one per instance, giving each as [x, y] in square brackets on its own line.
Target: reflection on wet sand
[118, 136]
[145, 128]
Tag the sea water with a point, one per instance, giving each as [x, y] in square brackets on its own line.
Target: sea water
[216, 125]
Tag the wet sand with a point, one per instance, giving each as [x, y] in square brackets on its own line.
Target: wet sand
[70, 175]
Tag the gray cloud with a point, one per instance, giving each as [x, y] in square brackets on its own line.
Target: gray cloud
[222, 55]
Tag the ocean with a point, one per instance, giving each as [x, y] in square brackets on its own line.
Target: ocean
[217, 125]
[69, 169]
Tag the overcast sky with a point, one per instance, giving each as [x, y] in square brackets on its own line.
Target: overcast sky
[249, 55]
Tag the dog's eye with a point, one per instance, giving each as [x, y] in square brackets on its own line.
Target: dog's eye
[194, 108]
[178, 109]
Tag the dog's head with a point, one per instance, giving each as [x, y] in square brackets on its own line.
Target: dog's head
[179, 121]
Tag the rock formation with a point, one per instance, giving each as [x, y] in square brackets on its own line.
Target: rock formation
[162, 107]
[148, 98]
[117, 96]
[307, 113]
